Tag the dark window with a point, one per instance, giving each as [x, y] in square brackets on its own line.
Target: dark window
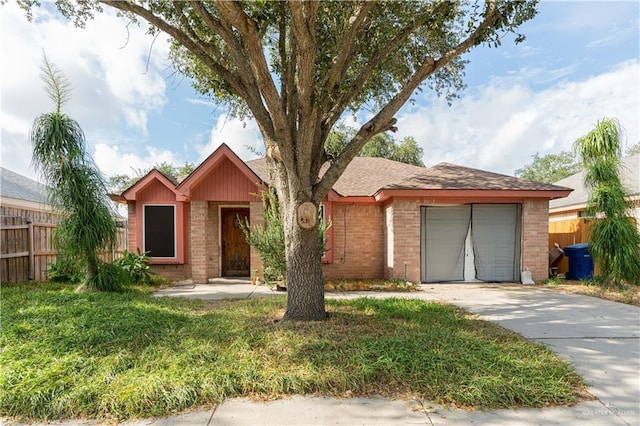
[160, 231]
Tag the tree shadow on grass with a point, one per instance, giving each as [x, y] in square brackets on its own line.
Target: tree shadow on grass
[126, 355]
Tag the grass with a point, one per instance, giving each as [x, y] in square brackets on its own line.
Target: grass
[129, 355]
[370, 285]
[628, 293]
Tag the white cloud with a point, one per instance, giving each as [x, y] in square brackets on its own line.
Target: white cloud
[499, 128]
[106, 63]
[112, 160]
[237, 135]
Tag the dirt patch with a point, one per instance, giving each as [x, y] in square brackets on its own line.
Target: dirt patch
[370, 285]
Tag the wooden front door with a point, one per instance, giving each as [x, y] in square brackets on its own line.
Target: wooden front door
[235, 249]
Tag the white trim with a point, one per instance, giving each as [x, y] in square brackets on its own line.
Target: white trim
[175, 229]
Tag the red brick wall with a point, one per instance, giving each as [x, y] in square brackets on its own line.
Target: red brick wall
[406, 240]
[256, 217]
[213, 242]
[535, 238]
[199, 241]
[358, 241]
[173, 272]
[131, 227]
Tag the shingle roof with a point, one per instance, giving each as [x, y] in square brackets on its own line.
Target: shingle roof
[629, 174]
[14, 185]
[451, 176]
[365, 176]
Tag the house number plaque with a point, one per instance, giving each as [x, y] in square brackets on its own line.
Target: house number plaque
[307, 215]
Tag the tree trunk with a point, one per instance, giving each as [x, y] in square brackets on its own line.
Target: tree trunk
[305, 286]
[92, 267]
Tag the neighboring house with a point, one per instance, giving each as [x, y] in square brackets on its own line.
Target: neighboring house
[27, 221]
[27, 228]
[388, 219]
[26, 198]
[567, 216]
[574, 206]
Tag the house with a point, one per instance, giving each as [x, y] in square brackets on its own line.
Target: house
[388, 219]
[567, 216]
[27, 228]
[25, 198]
[27, 221]
[574, 206]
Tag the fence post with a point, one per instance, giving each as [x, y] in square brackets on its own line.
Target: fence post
[32, 263]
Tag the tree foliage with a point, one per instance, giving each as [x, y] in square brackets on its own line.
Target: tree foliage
[298, 67]
[123, 181]
[268, 238]
[76, 185]
[550, 168]
[615, 241]
[381, 145]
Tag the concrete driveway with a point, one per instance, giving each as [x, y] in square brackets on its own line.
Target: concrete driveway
[601, 338]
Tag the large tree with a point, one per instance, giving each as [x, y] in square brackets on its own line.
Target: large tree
[550, 168]
[297, 67]
[381, 145]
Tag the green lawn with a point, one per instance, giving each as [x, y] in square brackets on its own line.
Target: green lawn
[121, 356]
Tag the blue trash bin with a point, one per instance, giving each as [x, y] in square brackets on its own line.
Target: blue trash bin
[580, 261]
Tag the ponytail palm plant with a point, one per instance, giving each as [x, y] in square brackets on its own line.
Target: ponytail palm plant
[77, 188]
[615, 239]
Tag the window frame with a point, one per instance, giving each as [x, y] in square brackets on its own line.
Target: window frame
[175, 230]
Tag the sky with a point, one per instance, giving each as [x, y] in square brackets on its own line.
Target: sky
[579, 63]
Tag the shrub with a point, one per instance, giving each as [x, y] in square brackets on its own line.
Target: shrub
[108, 277]
[137, 266]
[268, 240]
[65, 270]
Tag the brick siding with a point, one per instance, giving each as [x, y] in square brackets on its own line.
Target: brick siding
[199, 241]
[173, 272]
[358, 242]
[256, 217]
[131, 227]
[213, 242]
[535, 238]
[406, 240]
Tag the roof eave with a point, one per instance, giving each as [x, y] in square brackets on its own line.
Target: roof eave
[211, 162]
[471, 194]
[131, 193]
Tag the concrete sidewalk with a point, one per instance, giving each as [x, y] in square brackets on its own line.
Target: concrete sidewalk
[601, 338]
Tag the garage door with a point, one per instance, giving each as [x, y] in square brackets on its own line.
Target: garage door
[486, 235]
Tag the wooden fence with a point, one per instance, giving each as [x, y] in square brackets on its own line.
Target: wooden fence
[26, 249]
[567, 232]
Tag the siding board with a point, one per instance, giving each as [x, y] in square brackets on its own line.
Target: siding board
[225, 183]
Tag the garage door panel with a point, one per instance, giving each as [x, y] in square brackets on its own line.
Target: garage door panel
[494, 234]
[444, 230]
[495, 242]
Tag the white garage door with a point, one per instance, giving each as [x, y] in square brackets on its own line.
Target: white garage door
[488, 234]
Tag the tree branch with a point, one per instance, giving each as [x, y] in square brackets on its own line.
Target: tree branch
[384, 120]
[181, 37]
[383, 53]
[253, 98]
[232, 12]
[357, 22]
